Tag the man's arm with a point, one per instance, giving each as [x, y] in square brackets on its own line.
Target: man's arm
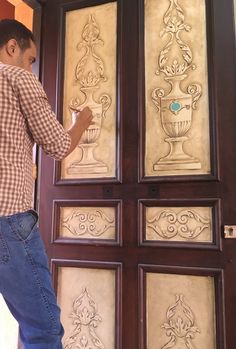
[82, 122]
[45, 129]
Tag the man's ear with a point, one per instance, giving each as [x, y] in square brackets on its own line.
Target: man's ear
[11, 47]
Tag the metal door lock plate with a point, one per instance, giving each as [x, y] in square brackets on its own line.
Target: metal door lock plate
[230, 231]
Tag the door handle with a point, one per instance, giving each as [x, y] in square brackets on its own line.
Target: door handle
[230, 231]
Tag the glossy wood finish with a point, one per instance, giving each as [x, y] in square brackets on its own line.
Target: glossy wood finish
[219, 188]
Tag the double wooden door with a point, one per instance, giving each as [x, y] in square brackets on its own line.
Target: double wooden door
[139, 221]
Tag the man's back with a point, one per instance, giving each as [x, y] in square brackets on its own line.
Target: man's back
[16, 143]
[25, 118]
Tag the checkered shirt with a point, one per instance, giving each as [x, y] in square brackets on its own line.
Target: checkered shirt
[25, 118]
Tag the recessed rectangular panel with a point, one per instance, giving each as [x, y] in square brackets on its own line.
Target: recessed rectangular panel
[94, 222]
[177, 139]
[185, 224]
[88, 307]
[88, 222]
[90, 80]
[180, 311]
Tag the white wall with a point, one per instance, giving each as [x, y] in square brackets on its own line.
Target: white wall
[8, 328]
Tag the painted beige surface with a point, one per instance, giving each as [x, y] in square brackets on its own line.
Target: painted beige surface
[90, 295]
[197, 294]
[8, 326]
[88, 222]
[189, 224]
[197, 144]
[104, 137]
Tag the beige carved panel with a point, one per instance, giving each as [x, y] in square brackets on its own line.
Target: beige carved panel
[90, 80]
[189, 224]
[177, 107]
[88, 222]
[87, 300]
[180, 312]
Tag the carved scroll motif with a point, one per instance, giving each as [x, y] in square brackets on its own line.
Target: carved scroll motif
[92, 222]
[187, 223]
[85, 321]
[180, 326]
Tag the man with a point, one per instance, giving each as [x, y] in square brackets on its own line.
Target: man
[25, 118]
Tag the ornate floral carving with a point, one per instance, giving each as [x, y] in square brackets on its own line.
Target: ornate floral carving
[187, 223]
[180, 325]
[174, 25]
[90, 35]
[176, 106]
[92, 222]
[86, 320]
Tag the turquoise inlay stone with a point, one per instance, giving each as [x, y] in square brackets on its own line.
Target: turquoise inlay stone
[175, 106]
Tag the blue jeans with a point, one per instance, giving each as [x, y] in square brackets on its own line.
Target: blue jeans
[25, 282]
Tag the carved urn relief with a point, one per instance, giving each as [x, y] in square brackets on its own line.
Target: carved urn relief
[176, 106]
[89, 75]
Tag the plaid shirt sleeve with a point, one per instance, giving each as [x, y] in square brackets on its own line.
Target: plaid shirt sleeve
[43, 125]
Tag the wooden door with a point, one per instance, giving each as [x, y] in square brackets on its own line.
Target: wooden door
[134, 219]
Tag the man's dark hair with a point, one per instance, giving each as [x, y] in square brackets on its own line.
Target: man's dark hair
[12, 29]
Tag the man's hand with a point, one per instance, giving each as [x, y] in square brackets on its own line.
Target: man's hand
[81, 121]
[83, 118]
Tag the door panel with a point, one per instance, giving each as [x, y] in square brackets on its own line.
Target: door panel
[88, 76]
[87, 222]
[133, 220]
[90, 80]
[176, 83]
[177, 106]
[89, 295]
[181, 308]
[167, 222]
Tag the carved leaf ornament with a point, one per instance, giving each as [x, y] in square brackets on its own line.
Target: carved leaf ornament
[85, 321]
[180, 324]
